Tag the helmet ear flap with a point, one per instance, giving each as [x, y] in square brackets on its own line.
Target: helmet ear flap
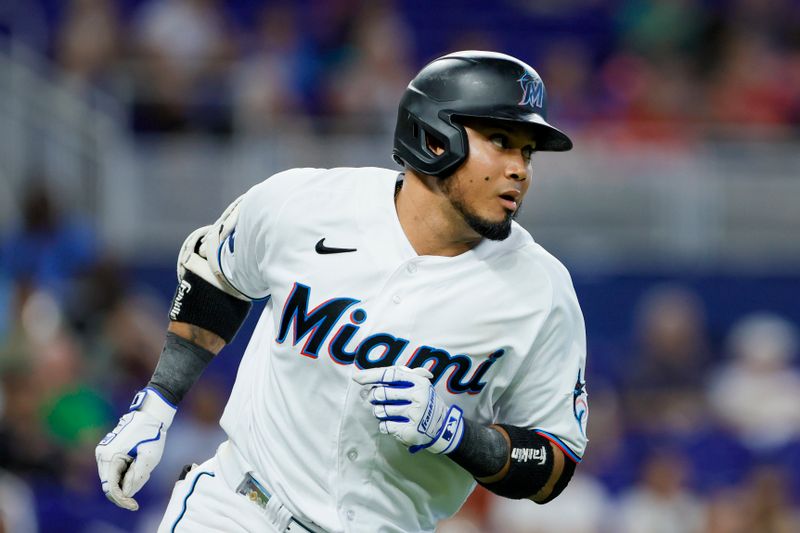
[414, 131]
[417, 140]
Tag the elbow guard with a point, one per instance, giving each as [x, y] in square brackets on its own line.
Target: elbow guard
[531, 465]
[204, 297]
[200, 251]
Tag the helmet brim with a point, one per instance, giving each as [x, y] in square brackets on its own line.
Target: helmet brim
[548, 138]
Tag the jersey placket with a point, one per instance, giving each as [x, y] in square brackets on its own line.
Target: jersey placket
[359, 439]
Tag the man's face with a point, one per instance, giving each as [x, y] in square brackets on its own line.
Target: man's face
[487, 190]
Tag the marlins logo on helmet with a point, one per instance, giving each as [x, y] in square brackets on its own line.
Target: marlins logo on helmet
[532, 90]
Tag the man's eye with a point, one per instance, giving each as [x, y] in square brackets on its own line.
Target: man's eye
[499, 140]
[528, 152]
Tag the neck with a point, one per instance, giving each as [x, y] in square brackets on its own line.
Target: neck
[431, 224]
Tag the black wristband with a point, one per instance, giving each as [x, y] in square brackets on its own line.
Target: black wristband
[179, 366]
[199, 303]
[483, 451]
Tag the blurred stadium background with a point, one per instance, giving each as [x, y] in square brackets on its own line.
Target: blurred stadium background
[125, 124]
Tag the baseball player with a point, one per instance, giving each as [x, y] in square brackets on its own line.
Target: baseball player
[415, 340]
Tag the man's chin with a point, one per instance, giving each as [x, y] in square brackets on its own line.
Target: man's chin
[494, 231]
[489, 229]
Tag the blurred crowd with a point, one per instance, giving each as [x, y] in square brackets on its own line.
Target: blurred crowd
[77, 336]
[692, 429]
[715, 67]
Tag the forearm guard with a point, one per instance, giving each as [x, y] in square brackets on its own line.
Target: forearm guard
[179, 367]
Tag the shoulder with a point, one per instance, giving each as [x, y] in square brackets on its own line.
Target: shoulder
[320, 184]
[549, 266]
[325, 178]
[537, 271]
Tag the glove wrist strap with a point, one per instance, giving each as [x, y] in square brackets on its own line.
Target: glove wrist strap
[150, 401]
[450, 434]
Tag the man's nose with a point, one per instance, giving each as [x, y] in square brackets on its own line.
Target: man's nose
[517, 168]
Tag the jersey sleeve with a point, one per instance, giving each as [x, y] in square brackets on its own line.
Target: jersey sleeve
[548, 393]
[245, 253]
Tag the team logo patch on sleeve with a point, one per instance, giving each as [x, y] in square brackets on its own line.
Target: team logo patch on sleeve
[580, 404]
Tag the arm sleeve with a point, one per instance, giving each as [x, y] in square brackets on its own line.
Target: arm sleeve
[548, 393]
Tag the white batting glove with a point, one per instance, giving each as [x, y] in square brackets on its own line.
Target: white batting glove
[407, 406]
[127, 455]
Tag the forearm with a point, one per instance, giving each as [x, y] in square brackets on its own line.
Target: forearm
[187, 352]
[204, 318]
[196, 335]
[485, 452]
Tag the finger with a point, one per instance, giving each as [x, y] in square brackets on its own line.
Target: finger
[379, 411]
[111, 470]
[422, 371]
[397, 382]
[404, 377]
[390, 412]
[400, 377]
[377, 395]
[115, 470]
[116, 496]
[391, 427]
[369, 376]
[401, 372]
[385, 395]
[135, 478]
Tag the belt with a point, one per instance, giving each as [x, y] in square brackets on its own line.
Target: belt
[257, 494]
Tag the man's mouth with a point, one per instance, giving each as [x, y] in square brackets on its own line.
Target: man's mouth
[509, 200]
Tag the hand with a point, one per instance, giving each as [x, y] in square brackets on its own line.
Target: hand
[127, 455]
[405, 402]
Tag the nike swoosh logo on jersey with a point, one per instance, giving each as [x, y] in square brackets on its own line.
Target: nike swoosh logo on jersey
[322, 249]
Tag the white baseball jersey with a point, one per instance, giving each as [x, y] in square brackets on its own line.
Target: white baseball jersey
[499, 326]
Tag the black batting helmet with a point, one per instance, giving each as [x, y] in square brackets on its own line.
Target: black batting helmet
[468, 84]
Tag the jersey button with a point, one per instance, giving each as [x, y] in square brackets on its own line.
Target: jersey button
[363, 394]
[352, 455]
[351, 515]
[396, 299]
[412, 268]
